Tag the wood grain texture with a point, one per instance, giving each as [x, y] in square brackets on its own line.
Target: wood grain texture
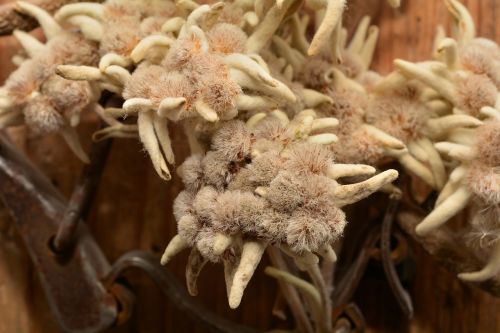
[134, 211]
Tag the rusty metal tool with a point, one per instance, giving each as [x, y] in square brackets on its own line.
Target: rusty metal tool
[70, 280]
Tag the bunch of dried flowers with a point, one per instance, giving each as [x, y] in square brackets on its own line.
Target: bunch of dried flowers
[285, 128]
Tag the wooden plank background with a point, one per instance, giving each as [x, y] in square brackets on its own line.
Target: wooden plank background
[134, 211]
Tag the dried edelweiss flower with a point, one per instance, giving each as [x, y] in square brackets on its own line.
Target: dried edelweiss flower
[273, 182]
[403, 117]
[482, 57]
[356, 144]
[215, 57]
[376, 125]
[126, 30]
[468, 92]
[475, 180]
[417, 116]
[404, 114]
[48, 102]
[460, 88]
[202, 75]
[466, 71]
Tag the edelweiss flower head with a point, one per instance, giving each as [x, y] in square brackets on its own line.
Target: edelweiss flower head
[475, 92]
[303, 158]
[233, 141]
[42, 116]
[236, 211]
[481, 59]
[398, 116]
[226, 39]
[191, 172]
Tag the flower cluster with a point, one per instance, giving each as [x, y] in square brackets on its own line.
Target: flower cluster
[35, 94]
[266, 182]
[464, 81]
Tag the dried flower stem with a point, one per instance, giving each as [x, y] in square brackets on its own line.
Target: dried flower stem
[315, 274]
[289, 293]
[308, 290]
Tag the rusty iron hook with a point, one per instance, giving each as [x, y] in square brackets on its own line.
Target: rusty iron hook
[170, 286]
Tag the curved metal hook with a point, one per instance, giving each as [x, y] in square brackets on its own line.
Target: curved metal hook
[402, 296]
[169, 285]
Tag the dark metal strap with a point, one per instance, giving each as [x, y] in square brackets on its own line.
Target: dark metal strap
[347, 285]
[402, 296]
[70, 280]
[82, 196]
